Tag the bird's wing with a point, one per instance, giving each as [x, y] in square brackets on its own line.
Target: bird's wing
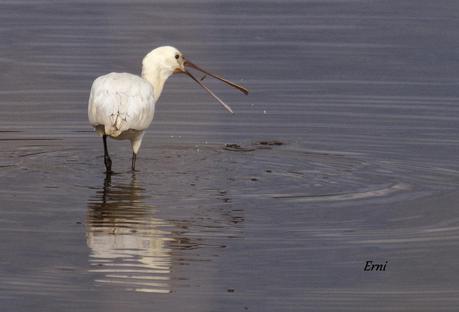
[119, 102]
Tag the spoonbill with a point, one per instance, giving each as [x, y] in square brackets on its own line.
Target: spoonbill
[122, 105]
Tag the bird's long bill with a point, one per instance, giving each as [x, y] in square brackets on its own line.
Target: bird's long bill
[230, 83]
[210, 92]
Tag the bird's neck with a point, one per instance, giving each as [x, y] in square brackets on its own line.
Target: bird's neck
[155, 75]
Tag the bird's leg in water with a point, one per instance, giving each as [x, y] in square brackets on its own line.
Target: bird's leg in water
[134, 157]
[107, 160]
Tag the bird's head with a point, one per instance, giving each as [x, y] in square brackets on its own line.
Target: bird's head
[168, 60]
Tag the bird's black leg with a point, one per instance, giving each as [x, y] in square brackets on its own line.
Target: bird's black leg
[134, 157]
[107, 160]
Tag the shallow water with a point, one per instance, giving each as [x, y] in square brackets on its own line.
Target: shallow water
[362, 94]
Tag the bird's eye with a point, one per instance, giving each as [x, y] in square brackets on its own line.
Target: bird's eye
[177, 56]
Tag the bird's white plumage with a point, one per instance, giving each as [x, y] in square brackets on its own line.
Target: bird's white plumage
[120, 102]
[122, 105]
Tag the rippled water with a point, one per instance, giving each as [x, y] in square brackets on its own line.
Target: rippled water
[361, 94]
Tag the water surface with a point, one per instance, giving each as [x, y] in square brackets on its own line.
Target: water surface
[362, 94]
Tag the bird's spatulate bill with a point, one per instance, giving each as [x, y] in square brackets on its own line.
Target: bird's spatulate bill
[210, 92]
[230, 83]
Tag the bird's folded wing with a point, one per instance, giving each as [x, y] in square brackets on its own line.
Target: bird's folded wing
[121, 102]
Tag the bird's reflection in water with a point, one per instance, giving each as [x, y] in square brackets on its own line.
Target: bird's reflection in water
[129, 246]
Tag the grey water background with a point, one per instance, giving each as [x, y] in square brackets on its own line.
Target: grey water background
[363, 94]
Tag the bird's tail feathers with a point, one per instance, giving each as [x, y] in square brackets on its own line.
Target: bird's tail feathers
[117, 126]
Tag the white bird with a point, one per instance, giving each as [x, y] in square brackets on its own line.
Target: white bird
[122, 105]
